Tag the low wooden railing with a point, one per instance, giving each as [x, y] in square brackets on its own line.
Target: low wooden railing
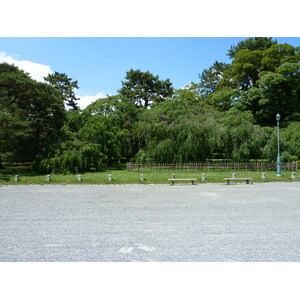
[213, 165]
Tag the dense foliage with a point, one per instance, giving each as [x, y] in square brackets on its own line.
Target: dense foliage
[229, 114]
[30, 113]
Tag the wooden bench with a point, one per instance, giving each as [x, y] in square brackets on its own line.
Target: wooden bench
[235, 179]
[182, 179]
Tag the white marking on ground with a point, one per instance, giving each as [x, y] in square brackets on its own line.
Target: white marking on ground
[209, 194]
[126, 249]
[146, 248]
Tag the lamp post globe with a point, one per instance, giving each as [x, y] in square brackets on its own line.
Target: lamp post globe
[278, 147]
[278, 118]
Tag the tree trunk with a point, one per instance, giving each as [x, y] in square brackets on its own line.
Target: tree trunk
[110, 161]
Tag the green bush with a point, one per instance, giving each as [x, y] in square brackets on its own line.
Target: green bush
[81, 158]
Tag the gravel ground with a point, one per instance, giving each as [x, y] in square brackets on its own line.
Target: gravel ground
[183, 223]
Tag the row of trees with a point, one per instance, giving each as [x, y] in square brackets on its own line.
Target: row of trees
[229, 114]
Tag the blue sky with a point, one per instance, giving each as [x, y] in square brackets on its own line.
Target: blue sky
[100, 64]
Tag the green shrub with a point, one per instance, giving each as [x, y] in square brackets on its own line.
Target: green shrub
[82, 158]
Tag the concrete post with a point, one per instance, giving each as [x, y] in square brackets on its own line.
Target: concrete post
[173, 176]
[233, 175]
[16, 177]
[264, 176]
[79, 177]
[293, 175]
[48, 178]
[142, 177]
[109, 177]
[203, 177]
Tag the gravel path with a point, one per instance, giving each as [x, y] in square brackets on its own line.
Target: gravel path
[204, 222]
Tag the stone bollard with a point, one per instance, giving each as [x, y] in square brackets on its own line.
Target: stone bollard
[173, 176]
[264, 176]
[109, 177]
[203, 177]
[16, 177]
[233, 175]
[48, 178]
[142, 177]
[293, 175]
[79, 177]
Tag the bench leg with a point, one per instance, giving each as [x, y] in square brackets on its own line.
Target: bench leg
[172, 182]
[247, 181]
[228, 181]
[192, 182]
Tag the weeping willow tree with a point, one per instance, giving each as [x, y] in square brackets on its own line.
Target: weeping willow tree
[74, 157]
[101, 134]
[234, 136]
[174, 131]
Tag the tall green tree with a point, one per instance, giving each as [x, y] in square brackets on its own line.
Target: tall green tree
[244, 70]
[109, 122]
[66, 86]
[31, 111]
[190, 94]
[144, 89]
[263, 78]
[251, 44]
[276, 88]
[211, 78]
[13, 127]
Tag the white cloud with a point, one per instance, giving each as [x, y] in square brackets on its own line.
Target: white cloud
[86, 100]
[39, 71]
[36, 71]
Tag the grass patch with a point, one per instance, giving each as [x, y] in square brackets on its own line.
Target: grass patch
[27, 176]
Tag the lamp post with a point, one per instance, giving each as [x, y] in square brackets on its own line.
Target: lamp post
[278, 147]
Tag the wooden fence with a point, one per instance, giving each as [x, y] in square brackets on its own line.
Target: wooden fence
[211, 166]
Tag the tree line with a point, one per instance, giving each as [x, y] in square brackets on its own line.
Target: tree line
[229, 114]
